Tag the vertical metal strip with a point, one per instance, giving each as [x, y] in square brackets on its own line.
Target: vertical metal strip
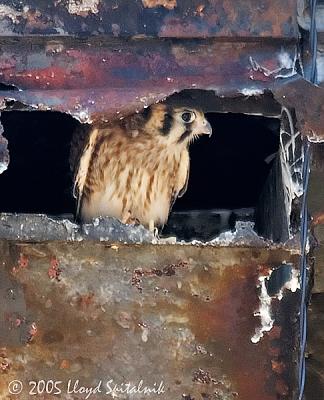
[303, 271]
[304, 215]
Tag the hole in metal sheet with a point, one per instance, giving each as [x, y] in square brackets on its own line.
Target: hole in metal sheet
[234, 175]
[278, 278]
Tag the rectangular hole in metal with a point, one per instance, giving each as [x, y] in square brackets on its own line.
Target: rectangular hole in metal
[229, 173]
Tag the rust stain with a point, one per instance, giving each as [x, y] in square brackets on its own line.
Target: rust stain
[318, 219]
[188, 18]
[54, 270]
[278, 366]
[86, 300]
[65, 364]
[100, 81]
[22, 263]
[190, 330]
[4, 362]
[166, 270]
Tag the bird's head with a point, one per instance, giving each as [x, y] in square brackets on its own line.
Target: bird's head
[176, 125]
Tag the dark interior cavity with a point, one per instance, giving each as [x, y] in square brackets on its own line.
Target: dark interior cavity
[4, 86]
[38, 178]
[228, 171]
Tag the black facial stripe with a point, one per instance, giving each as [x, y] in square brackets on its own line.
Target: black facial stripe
[167, 122]
[147, 113]
[185, 134]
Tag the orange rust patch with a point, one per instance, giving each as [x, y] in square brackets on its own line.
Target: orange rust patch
[278, 366]
[318, 219]
[23, 261]
[4, 362]
[86, 300]
[21, 264]
[65, 364]
[54, 270]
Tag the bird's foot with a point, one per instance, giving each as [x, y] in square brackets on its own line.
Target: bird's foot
[129, 219]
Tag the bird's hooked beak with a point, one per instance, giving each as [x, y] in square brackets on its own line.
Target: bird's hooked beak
[205, 128]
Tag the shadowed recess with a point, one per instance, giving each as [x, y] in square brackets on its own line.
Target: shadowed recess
[228, 171]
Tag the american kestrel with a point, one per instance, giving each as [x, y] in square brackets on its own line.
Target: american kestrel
[134, 169]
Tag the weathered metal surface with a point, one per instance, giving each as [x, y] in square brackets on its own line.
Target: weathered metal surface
[314, 389]
[316, 206]
[185, 316]
[201, 320]
[163, 18]
[304, 15]
[41, 228]
[100, 80]
[107, 79]
[308, 102]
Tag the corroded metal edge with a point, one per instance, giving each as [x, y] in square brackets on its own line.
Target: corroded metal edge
[42, 228]
[100, 80]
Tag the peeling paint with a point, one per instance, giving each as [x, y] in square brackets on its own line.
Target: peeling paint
[168, 4]
[286, 66]
[9, 12]
[83, 7]
[252, 92]
[265, 297]
[264, 311]
[292, 285]
[244, 233]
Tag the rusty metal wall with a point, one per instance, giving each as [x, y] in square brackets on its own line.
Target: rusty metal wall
[210, 323]
[160, 18]
[100, 79]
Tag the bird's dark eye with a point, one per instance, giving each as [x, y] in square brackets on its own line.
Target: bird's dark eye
[188, 116]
